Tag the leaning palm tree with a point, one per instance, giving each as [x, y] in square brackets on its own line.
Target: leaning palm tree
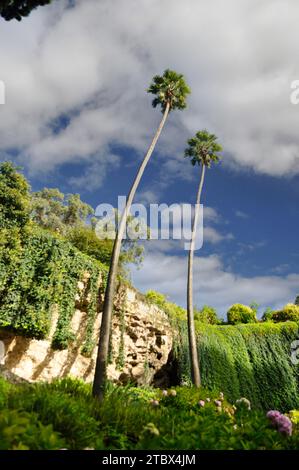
[170, 92]
[203, 151]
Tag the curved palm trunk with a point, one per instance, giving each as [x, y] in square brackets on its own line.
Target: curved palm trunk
[101, 363]
[195, 371]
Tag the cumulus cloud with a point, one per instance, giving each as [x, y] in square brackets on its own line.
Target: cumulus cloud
[88, 67]
[213, 285]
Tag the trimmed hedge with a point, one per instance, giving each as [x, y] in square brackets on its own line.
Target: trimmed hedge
[247, 360]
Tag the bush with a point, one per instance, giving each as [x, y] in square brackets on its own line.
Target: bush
[239, 313]
[64, 415]
[207, 315]
[23, 431]
[267, 315]
[71, 414]
[4, 391]
[86, 240]
[290, 312]
[174, 312]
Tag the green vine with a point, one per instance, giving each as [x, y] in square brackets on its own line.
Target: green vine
[89, 341]
[45, 272]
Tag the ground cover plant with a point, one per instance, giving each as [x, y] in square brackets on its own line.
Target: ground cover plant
[63, 414]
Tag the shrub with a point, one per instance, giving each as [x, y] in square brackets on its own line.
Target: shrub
[23, 431]
[86, 240]
[70, 414]
[207, 315]
[290, 312]
[239, 313]
[174, 312]
[267, 315]
[5, 387]
[64, 415]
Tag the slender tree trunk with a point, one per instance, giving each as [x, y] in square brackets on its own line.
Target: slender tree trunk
[101, 363]
[195, 371]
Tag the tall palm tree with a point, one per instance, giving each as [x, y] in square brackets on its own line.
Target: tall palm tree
[203, 151]
[170, 92]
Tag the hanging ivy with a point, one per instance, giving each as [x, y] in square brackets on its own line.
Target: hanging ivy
[94, 291]
[46, 273]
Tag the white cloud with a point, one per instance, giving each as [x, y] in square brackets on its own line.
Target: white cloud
[95, 173]
[241, 215]
[212, 235]
[213, 285]
[94, 61]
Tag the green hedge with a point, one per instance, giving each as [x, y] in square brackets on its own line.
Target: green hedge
[44, 272]
[247, 360]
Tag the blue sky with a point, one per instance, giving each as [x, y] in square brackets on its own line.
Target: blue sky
[77, 117]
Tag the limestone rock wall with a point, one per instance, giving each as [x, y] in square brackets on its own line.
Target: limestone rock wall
[141, 344]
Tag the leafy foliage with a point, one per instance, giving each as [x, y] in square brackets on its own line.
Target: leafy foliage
[239, 313]
[267, 315]
[290, 312]
[14, 198]
[203, 149]
[86, 240]
[169, 88]
[64, 414]
[46, 275]
[54, 211]
[70, 217]
[251, 360]
[206, 315]
[17, 9]
[23, 431]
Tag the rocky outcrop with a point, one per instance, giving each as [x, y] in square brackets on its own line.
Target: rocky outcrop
[141, 344]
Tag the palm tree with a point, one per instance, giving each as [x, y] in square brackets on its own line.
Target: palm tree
[170, 92]
[203, 151]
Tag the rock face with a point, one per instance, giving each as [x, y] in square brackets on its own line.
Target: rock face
[141, 345]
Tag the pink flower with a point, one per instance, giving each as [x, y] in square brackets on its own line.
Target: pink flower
[218, 403]
[281, 422]
[273, 415]
[201, 403]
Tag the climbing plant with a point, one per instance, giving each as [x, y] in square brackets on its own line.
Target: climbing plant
[46, 273]
[251, 360]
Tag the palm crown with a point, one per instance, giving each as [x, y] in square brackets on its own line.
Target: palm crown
[203, 149]
[170, 88]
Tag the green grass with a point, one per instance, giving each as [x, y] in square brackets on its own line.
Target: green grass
[64, 414]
